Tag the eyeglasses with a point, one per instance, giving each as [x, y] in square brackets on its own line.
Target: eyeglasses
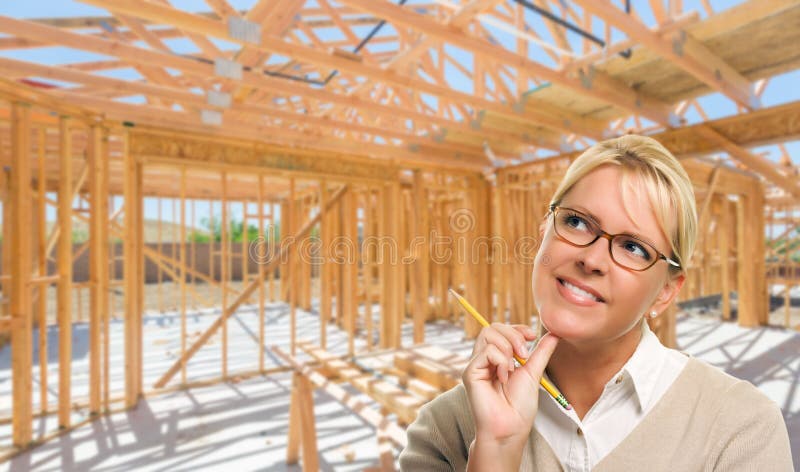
[580, 230]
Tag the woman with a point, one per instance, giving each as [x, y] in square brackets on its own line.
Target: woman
[615, 247]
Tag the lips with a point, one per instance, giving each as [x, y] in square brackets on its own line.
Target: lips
[580, 290]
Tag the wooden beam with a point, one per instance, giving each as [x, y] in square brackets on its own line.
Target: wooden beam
[723, 242]
[175, 267]
[764, 126]
[478, 254]
[293, 435]
[261, 258]
[420, 282]
[222, 8]
[370, 415]
[278, 135]
[132, 273]
[64, 288]
[567, 123]
[40, 225]
[201, 71]
[224, 265]
[182, 262]
[138, 371]
[391, 299]
[744, 271]
[326, 234]
[229, 310]
[256, 112]
[20, 200]
[460, 18]
[98, 239]
[274, 17]
[302, 428]
[292, 256]
[15, 91]
[757, 163]
[53, 238]
[684, 51]
[5, 249]
[605, 88]
[705, 206]
[348, 280]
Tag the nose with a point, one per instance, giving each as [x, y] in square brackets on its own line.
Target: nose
[595, 258]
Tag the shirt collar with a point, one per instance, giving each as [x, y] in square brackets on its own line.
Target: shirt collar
[644, 366]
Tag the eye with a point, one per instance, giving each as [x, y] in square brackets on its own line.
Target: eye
[635, 248]
[574, 221]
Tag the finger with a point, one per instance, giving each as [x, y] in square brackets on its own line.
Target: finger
[541, 355]
[500, 360]
[486, 364]
[516, 338]
[481, 341]
[527, 331]
[491, 335]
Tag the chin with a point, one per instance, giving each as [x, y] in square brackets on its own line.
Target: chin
[567, 324]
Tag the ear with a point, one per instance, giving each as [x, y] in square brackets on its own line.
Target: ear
[543, 225]
[668, 293]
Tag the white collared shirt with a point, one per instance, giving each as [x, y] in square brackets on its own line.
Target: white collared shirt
[625, 401]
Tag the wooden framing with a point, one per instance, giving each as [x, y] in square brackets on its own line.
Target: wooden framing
[326, 269]
[99, 271]
[65, 274]
[684, 51]
[183, 270]
[134, 274]
[363, 145]
[420, 282]
[391, 299]
[302, 429]
[20, 201]
[40, 303]
[224, 264]
[230, 309]
[261, 254]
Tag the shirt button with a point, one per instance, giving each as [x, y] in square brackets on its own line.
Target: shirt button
[619, 380]
[580, 432]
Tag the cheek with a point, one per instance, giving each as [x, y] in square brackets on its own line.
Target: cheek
[638, 296]
[541, 264]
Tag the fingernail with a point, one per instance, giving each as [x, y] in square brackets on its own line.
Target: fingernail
[523, 349]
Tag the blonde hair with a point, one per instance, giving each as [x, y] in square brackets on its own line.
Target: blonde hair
[667, 186]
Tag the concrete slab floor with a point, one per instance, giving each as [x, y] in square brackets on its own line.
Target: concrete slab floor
[242, 425]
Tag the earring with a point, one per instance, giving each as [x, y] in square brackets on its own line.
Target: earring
[653, 314]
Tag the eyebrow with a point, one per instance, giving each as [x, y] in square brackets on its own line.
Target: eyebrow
[588, 213]
[598, 222]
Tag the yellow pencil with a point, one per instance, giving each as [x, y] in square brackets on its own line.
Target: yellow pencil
[551, 389]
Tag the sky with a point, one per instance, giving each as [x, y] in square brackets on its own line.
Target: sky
[781, 89]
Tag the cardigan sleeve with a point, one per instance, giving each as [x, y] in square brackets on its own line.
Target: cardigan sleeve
[438, 439]
[755, 437]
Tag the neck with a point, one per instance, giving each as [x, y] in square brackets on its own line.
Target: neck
[581, 371]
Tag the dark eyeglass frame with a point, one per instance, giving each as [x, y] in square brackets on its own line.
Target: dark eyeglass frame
[600, 233]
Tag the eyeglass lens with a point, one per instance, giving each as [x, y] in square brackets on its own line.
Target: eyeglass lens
[626, 250]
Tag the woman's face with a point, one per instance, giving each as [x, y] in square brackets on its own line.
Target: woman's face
[621, 296]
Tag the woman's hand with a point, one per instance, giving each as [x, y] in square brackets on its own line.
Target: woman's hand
[504, 399]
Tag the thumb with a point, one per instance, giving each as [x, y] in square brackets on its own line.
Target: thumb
[520, 385]
[540, 357]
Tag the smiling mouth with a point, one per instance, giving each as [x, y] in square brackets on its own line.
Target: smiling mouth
[579, 291]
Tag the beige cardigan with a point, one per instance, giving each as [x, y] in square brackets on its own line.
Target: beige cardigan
[706, 421]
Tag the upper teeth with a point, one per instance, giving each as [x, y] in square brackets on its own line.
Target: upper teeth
[580, 292]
